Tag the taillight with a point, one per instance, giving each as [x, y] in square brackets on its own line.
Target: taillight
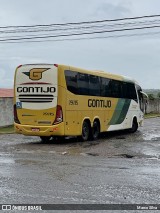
[56, 65]
[16, 120]
[59, 115]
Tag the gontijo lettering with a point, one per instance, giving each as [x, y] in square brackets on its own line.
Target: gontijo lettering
[36, 89]
[99, 103]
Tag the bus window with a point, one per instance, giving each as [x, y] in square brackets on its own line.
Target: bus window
[116, 88]
[105, 90]
[83, 84]
[124, 90]
[94, 85]
[140, 97]
[132, 92]
[129, 91]
[71, 81]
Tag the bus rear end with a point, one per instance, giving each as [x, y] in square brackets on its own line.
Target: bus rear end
[36, 109]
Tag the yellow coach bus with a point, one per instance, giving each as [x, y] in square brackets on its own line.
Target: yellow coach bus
[53, 100]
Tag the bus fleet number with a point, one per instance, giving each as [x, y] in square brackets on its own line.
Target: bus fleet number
[73, 102]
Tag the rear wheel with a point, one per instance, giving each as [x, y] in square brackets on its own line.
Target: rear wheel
[45, 139]
[85, 131]
[134, 126]
[95, 130]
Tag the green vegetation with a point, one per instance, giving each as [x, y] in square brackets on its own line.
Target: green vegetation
[153, 93]
[152, 115]
[158, 95]
[7, 130]
[151, 96]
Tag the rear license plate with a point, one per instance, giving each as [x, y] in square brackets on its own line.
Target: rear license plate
[35, 129]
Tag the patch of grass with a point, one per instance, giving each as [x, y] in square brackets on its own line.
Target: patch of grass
[7, 129]
[152, 115]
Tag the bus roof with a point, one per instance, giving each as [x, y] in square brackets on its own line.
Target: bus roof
[104, 74]
[93, 72]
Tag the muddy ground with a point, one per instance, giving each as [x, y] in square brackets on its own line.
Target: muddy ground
[118, 168]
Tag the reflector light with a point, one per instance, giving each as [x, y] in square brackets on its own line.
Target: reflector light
[59, 115]
[55, 129]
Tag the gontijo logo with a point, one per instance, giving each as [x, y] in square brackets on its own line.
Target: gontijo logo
[36, 73]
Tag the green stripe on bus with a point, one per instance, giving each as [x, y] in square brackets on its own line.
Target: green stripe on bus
[120, 111]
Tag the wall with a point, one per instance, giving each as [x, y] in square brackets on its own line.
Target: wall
[153, 106]
[6, 111]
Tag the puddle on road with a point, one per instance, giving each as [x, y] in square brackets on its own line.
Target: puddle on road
[151, 153]
[28, 162]
[152, 135]
[6, 160]
[74, 150]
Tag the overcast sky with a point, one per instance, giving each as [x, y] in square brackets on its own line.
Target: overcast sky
[137, 56]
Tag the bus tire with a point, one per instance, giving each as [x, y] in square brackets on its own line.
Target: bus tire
[85, 131]
[45, 139]
[134, 126]
[95, 130]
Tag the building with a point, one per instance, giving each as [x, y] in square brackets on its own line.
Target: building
[6, 107]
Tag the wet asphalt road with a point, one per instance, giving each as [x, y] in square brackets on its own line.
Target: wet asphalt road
[118, 168]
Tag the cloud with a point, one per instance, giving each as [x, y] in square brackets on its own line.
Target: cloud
[6, 81]
[114, 9]
[137, 57]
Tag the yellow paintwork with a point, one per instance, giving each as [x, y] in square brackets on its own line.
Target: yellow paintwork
[73, 115]
[43, 130]
[35, 117]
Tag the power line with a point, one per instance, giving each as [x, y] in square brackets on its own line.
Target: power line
[86, 38]
[78, 28]
[86, 22]
[86, 28]
[79, 34]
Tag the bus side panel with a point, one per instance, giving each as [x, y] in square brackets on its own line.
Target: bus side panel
[79, 108]
[71, 123]
[123, 115]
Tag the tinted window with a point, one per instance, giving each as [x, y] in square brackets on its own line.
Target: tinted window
[71, 81]
[116, 89]
[83, 84]
[94, 85]
[105, 87]
[140, 97]
[131, 91]
[124, 90]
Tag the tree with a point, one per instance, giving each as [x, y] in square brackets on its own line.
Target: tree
[158, 95]
[151, 97]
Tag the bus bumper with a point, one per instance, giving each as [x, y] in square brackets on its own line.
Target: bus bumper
[55, 130]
